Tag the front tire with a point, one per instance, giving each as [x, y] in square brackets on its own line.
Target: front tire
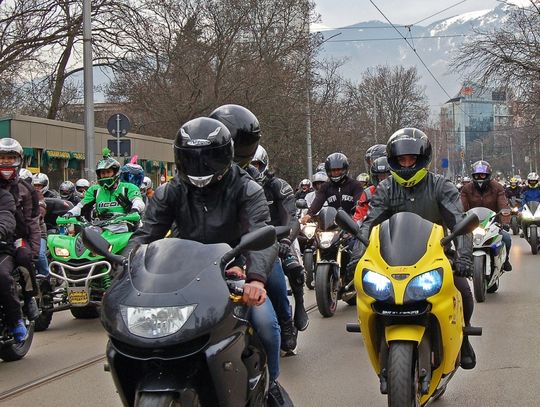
[326, 290]
[45, 305]
[479, 278]
[403, 387]
[18, 351]
[188, 398]
[533, 239]
[309, 266]
[514, 225]
[88, 312]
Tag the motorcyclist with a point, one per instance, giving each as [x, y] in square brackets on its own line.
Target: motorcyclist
[81, 185]
[281, 201]
[8, 294]
[372, 153]
[317, 180]
[246, 133]
[530, 193]
[41, 183]
[213, 201]
[110, 196]
[132, 173]
[513, 190]
[412, 188]
[363, 178]
[69, 193]
[379, 171]
[488, 193]
[27, 232]
[304, 188]
[147, 189]
[341, 192]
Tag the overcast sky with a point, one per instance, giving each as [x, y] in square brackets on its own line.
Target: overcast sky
[339, 13]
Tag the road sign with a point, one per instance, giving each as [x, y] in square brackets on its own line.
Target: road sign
[444, 162]
[118, 125]
[124, 146]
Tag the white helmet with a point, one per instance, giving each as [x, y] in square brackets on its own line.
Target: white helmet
[82, 184]
[25, 174]
[146, 183]
[41, 179]
[319, 177]
[532, 180]
[363, 177]
[12, 147]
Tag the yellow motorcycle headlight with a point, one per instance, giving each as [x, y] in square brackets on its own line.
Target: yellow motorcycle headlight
[61, 252]
[424, 285]
[377, 286]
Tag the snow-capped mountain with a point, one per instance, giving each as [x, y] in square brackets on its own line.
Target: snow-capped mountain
[371, 43]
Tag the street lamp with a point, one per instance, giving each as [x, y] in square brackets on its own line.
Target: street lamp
[481, 148]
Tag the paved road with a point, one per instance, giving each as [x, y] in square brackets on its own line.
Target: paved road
[331, 368]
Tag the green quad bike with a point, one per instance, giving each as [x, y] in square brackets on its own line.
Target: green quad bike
[82, 276]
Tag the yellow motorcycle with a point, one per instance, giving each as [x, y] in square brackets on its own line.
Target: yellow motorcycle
[410, 312]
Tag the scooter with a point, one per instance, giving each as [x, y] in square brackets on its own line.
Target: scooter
[178, 331]
[530, 222]
[410, 312]
[489, 253]
[82, 276]
[331, 281]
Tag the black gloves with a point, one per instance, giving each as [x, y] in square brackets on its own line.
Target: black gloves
[463, 267]
[284, 247]
[506, 227]
[124, 201]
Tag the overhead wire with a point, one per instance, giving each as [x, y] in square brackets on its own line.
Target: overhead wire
[400, 38]
[439, 12]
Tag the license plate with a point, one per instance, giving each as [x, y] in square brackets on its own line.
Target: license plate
[77, 296]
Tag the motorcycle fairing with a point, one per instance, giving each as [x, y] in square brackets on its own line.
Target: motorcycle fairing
[326, 218]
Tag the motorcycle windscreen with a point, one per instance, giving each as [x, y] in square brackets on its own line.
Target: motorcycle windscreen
[403, 239]
[484, 215]
[326, 217]
[169, 265]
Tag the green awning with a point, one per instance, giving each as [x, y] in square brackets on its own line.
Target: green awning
[29, 152]
[56, 154]
[77, 156]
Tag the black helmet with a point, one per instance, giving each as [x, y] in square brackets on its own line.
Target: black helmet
[379, 170]
[203, 151]
[408, 141]
[481, 174]
[244, 128]
[337, 161]
[372, 153]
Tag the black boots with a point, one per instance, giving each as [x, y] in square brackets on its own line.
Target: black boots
[468, 357]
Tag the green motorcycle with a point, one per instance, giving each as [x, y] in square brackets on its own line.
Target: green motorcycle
[82, 277]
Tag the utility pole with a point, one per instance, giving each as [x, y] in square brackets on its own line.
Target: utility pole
[89, 139]
[512, 156]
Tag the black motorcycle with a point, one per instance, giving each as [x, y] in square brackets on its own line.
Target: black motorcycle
[9, 349]
[515, 219]
[178, 333]
[331, 280]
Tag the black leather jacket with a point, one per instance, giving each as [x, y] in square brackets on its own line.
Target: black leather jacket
[281, 201]
[435, 198]
[220, 213]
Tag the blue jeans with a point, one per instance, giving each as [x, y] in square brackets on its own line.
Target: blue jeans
[276, 287]
[264, 320]
[42, 264]
[507, 240]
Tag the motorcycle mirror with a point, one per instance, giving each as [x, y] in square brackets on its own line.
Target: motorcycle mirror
[93, 240]
[466, 225]
[347, 223]
[301, 204]
[257, 240]
[283, 231]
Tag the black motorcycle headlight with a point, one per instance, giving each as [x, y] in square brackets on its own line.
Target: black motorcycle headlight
[377, 286]
[424, 285]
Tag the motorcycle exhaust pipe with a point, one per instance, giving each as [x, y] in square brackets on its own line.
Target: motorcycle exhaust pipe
[352, 327]
[472, 330]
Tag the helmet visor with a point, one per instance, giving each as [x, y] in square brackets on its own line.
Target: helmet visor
[202, 162]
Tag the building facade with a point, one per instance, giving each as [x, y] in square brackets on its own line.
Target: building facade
[57, 148]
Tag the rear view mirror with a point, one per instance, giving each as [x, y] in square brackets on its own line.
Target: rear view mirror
[466, 225]
[347, 223]
[93, 240]
[257, 240]
[301, 204]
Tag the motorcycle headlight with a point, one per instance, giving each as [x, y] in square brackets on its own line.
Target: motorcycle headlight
[309, 230]
[377, 286]
[515, 209]
[156, 322]
[526, 215]
[325, 239]
[423, 286]
[61, 252]
[479, 231]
